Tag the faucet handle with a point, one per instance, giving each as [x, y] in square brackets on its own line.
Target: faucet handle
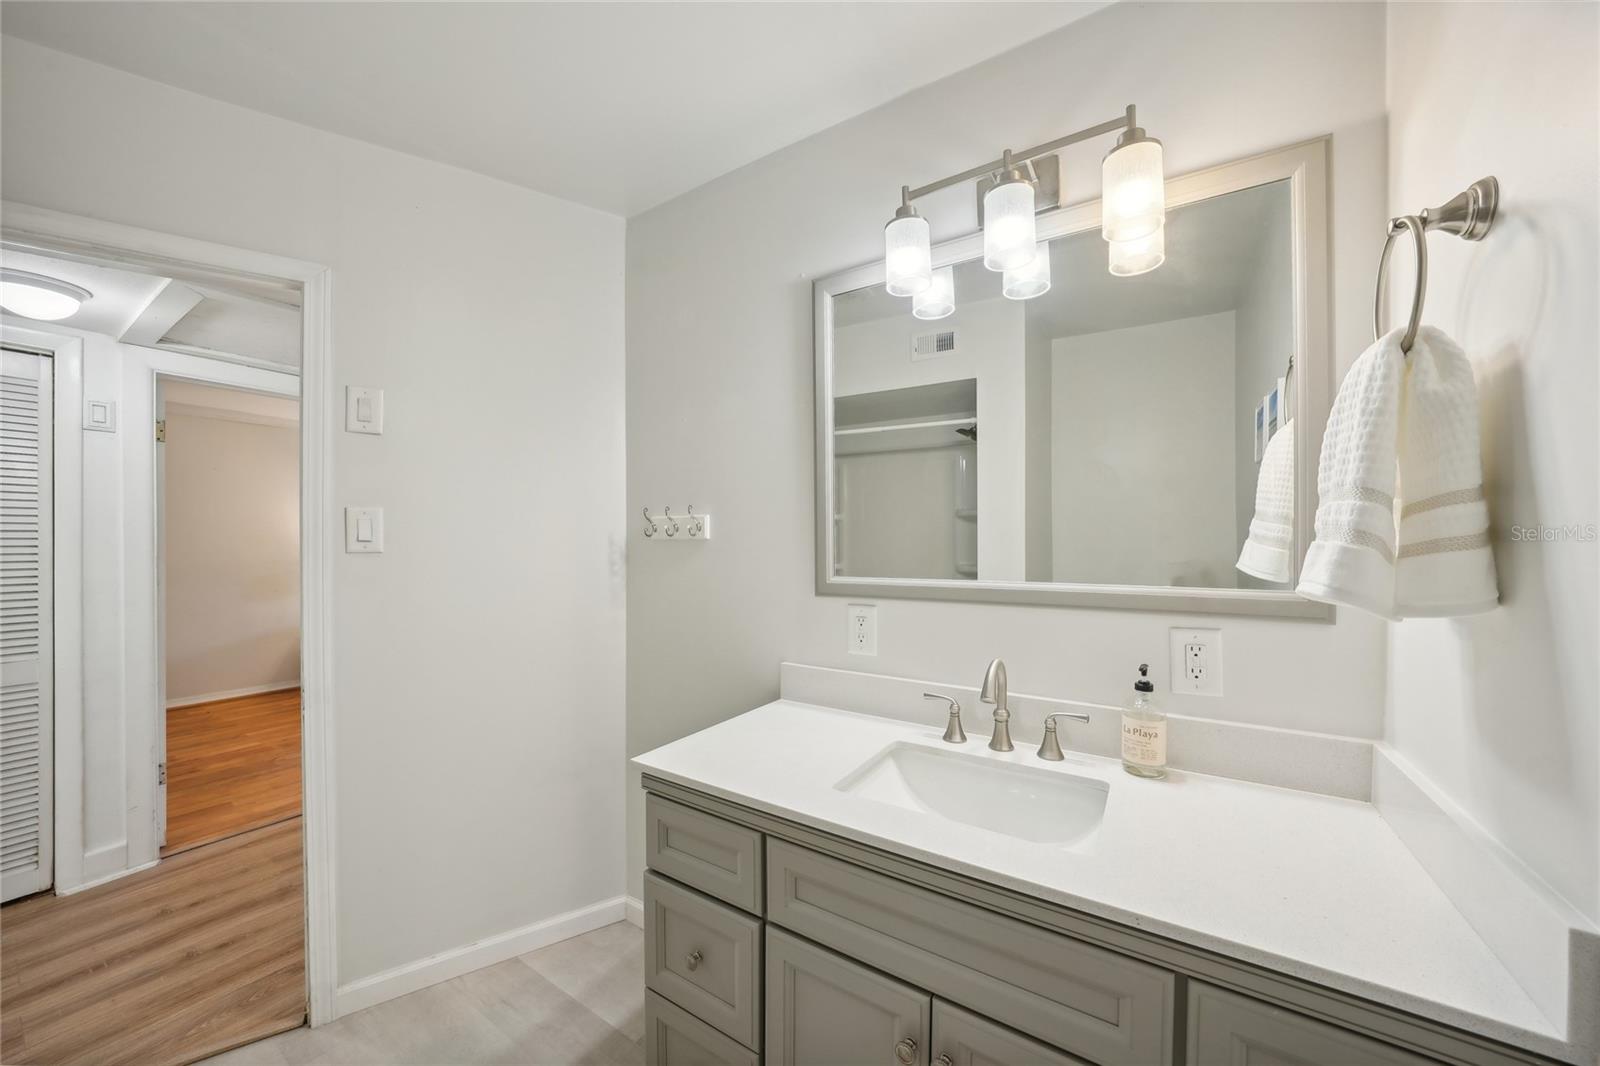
[1050, 746]
[953, 733]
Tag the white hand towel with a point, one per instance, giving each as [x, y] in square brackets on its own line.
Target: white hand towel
[1351, 561]
[1445, 565]
[1270, 545]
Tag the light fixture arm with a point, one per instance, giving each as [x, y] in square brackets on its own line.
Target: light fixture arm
[1009, 159]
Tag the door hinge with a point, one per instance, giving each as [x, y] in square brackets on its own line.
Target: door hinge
[161, 773]
[161, 431]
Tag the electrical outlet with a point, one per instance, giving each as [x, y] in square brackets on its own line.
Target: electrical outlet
[1196, 665]
[861, 636]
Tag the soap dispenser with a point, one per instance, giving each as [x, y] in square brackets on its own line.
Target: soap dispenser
[1144, 730]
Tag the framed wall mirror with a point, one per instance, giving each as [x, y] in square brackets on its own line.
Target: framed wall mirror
[1100, 444]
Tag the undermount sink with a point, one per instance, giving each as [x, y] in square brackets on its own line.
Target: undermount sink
[1034, 804]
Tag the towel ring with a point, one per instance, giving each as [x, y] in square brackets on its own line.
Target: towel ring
[1468, 215]
[1418, 293]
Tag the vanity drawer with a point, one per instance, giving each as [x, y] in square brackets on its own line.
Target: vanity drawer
[674, 1037]
[1227, 1029]
[703, 956]
[1083, 999]
[719, 858]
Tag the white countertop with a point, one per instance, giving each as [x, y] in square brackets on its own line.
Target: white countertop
[1304, 884]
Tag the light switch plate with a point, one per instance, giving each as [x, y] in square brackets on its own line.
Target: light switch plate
[100, 415]
[363, 530]
[363, 410]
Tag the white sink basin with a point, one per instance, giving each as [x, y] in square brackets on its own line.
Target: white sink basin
[1029, 803]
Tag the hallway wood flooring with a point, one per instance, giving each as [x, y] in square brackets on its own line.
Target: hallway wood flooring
[232, 765]
[196, 955]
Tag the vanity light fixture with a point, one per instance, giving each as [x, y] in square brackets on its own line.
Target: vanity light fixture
[1133, 211]
[1010, 236]
[907, 257]
[38, 297]
[1140, 255]
[1030, 280]
[938, 300]
[1133, 192]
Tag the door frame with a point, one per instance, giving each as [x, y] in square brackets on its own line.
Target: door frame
[66, 359]
[58, 233]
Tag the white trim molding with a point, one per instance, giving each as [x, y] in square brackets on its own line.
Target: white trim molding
[409, 977]
[232, 694]
[95, 240]
[635, 913]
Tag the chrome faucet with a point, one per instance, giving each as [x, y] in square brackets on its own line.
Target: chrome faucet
[953, 733]
[1050, 746]
[994, 691]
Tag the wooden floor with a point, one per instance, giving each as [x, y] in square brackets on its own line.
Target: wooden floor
[199, 954]
[232, 765]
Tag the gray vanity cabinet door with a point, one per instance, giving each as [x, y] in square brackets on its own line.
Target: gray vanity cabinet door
[1226, 1029]
[961, 1038]
[824, 1010]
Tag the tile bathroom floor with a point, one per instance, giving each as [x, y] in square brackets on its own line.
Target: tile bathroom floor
[577, 1002]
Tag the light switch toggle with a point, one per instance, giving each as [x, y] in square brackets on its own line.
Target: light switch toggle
[363, 530]
[363, 410]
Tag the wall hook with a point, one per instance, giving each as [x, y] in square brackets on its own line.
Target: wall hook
[649, 523]
[672, 523]
[696, 527]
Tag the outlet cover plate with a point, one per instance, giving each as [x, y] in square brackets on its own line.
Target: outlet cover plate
[1196, 662]
[861, 631]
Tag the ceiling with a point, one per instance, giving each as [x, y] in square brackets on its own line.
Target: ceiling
[232, 318]
[621, 106]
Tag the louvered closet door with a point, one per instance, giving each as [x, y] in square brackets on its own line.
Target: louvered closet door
[26, 664]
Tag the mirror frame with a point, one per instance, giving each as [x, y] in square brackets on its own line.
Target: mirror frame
[1304, 166]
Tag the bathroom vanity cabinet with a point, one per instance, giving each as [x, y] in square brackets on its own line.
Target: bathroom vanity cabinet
[770, 941]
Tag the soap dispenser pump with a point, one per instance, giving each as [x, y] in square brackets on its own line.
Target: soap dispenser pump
[1144, 730]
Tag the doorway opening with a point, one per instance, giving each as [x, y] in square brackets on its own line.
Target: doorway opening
[228, 560]
[189, 842]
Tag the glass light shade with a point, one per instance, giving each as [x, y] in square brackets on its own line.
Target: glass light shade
[938, 300]
[1133, 192]
[907, 257]
[1029, 281]
[38, 297]
[1139, 256]
[1008, 226]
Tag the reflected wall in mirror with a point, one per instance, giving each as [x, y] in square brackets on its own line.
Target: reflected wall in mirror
[1110, 433]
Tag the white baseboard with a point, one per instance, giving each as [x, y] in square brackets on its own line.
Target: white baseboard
[232, 694]
[103, 879]
[370, 991]
[635, 907]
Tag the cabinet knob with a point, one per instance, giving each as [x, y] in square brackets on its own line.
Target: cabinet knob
[692, 960]
[906, 1051]
[944, 1060]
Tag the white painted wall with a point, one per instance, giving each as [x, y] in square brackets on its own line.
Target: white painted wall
[719, 315]
[1142, 454]
[232, 552]
[1502, 710]
[478, 704]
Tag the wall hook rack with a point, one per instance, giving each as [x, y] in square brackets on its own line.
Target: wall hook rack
[667, 527]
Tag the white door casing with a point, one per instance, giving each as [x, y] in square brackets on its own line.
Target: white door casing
[27, 662]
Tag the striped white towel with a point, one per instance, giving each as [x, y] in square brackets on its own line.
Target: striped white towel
[1445, 564]
[1351, 561]
[1270, 544]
